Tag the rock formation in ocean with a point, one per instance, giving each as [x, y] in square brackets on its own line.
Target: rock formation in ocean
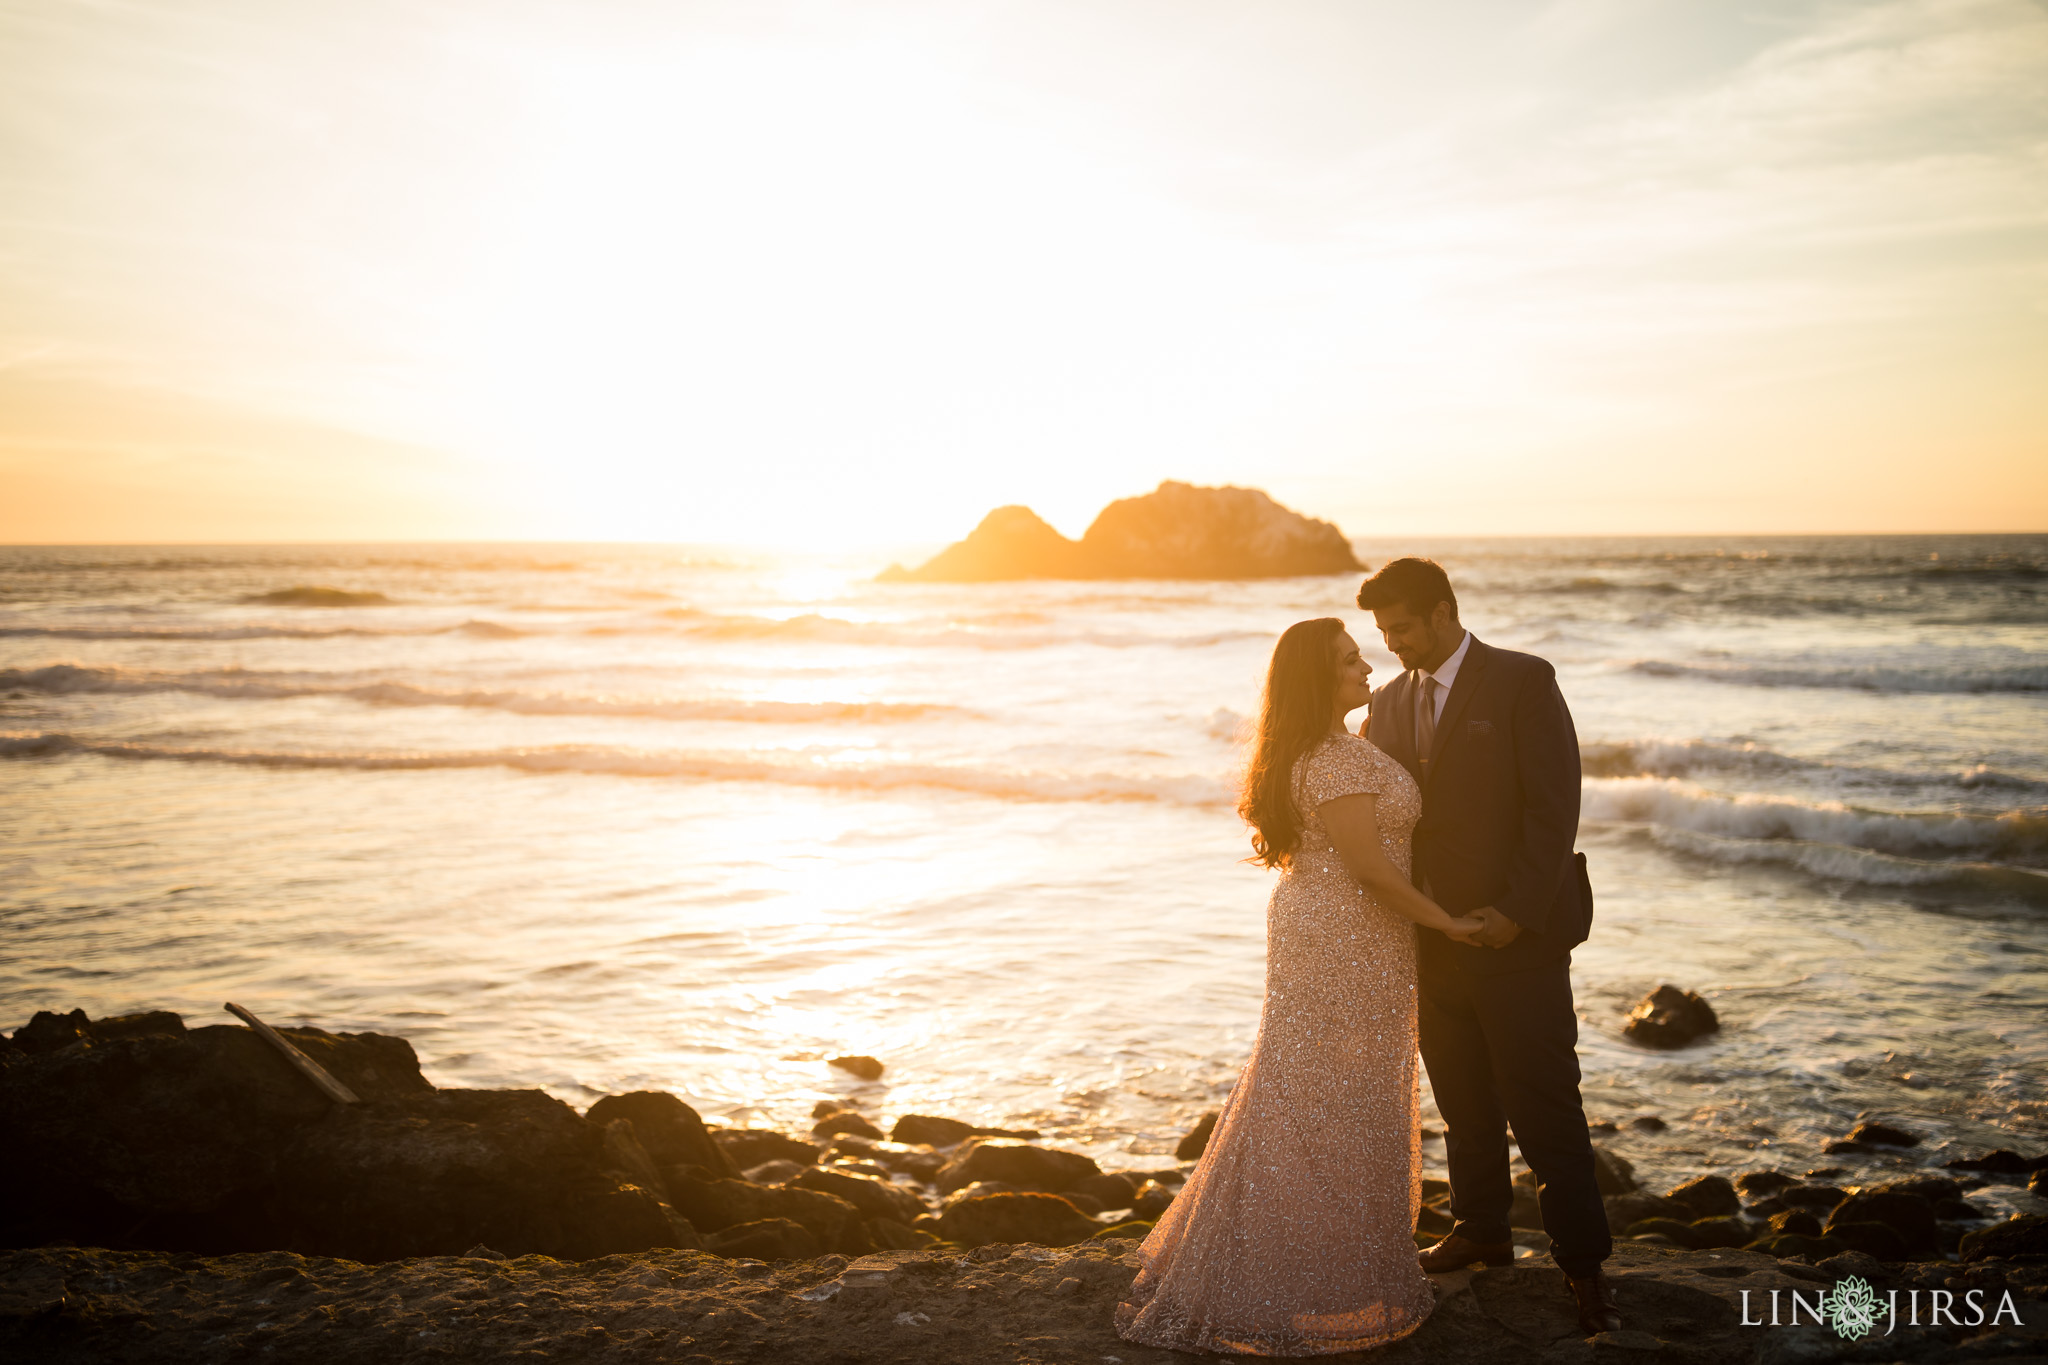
[1178, 530]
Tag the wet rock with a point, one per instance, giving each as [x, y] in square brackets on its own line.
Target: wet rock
[1087, 1203]
[845, 1121]
[1760, 1184]
[672, 1132]
[867, 1068]
[1883, 1135]
[1016, 1163]
[135, 1131]
[1820, 1197]
[891, 1235]
[824, 1107]
[2037, 1184]
[1136, 1230]
[1670, 1018]
[874, 1198]
[1869, 1237]
[749, 1147]
[624, 1154]
[1722, 1232]
[1708, 1196]
[1041, 1218]
[435, 1173]
[1625, 1210]
[1648, 1123]
[767, 1239]
[931, 1130]
[1858, 1263]
[1112, 1189]
[1907, 1214]
[1959, 1211]
[979, 1188]
[777, 1172]
[1933, 1188]
[1612, 1172]
[1678, 1233]
[2000, 1162]
[1196, 1140]
[2026, 1235]
[1434, 1221]
[714, 1205]
[1812, 1248]
[1799, 1222]
[1151, 1200]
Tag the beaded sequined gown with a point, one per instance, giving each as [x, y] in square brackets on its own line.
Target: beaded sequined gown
[1293, 1235]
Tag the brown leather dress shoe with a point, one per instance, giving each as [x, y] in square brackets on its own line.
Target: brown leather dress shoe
[1595, 1298]
[1455, 1253]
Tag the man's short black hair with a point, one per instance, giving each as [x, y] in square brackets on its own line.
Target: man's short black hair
[1417, 584]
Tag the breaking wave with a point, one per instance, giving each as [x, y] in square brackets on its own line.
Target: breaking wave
[73, 679]
[1669, 804]
[1183, 789]
[1974, 882]
[2031, 677]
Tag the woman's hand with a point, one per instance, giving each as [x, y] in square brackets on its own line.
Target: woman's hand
[1465, 929]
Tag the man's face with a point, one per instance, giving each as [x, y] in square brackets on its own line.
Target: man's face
[1417, 641]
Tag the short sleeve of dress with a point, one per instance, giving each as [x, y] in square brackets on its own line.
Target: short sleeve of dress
[1341, 767]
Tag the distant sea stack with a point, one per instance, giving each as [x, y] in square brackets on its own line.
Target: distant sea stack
[1176, 531]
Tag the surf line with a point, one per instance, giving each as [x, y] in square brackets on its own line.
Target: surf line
[1940, 1306]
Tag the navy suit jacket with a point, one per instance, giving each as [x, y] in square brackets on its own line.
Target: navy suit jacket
[1500, 807]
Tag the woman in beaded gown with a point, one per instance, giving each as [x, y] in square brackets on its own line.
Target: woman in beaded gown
[1293, 1236]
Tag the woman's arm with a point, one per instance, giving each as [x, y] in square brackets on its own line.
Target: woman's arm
[1353, 823]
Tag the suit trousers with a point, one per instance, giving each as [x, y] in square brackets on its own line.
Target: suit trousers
[1500, 1051]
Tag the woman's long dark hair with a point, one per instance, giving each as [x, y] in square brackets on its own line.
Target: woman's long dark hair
[1294, 715]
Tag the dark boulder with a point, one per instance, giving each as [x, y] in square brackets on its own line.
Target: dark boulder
[137, 1132]
[1196, 1140]
[750, 1147]
[1708, 1196]
[867, 1068]
[713, 1205]
[672, 1132]
[845, 1121]
[1611, 1172]
[2000, 1162]
[1722, 1232]
[1136, 1230]
[1882, 1135]
[1015, 1163]
[1761, 1184]
[777, 1172]
[1044, 1219]
[1112, 1189]
[1626, 1210]
[874, 1198]
[436, 1173]
[1818, 1197]
[1675, 1231]
[1869, 1237]
[1812, 1248]
[768, 1239]
[1801, 1222]
[1151, 1200]
[1908, 1215]
[1669, 1017]
[2026, 1235]
[930, 1130]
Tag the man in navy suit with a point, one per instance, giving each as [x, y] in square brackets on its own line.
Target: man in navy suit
[1486, 735]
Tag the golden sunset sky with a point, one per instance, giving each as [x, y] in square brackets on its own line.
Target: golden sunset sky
[850, 274]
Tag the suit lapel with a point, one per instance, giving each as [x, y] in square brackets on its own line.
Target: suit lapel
[1469, 674]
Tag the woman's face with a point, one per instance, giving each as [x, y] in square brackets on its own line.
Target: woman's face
[1354, 675]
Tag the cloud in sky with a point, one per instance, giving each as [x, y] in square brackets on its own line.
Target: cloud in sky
[759, 270]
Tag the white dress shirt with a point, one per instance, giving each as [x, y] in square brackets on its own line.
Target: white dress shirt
[1446, 675]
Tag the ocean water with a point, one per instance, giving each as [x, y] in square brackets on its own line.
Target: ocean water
[597, 818]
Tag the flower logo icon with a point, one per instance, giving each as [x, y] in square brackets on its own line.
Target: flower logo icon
[1852, 1308]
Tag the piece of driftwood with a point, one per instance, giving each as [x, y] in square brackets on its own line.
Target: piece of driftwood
[312, 1070]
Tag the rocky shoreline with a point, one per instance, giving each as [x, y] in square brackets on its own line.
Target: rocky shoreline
[185, 1194]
